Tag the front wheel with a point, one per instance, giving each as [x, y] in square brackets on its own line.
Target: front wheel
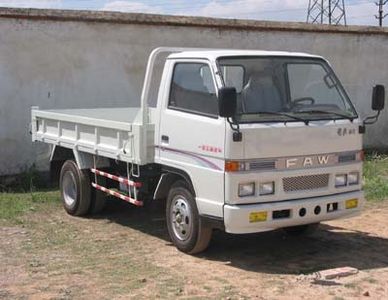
[184, 225]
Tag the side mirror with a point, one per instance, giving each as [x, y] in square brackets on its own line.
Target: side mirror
[378, 97]
[378, 101]
[227, 102]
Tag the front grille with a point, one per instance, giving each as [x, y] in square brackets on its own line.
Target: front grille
[303, 183]
[262, 165]
[344, 158]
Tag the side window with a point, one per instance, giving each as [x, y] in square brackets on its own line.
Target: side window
[192, 89]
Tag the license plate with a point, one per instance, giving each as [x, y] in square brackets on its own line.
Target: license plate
[351, 203]
[259, 216]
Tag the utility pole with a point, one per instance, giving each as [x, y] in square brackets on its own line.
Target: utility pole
[381, 15]
[327, 12]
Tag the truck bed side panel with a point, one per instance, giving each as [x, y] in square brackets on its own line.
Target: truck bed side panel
[101, 132]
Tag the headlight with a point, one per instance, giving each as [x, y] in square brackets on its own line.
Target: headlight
[246, 189]
[353, 178]
[340, 180]
[267, 188]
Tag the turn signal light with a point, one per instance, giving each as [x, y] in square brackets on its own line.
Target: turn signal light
[234, 166]
[231, 166]
[361, 155]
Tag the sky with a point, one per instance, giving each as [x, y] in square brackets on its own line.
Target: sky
[359, 12]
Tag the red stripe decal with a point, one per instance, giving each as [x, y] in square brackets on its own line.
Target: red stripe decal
[117, 178]
[117, 195]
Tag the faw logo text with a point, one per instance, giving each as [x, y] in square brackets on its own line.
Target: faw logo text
[308, 161]
[346, 131]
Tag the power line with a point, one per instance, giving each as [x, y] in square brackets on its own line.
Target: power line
[326, 12]
[381, 15]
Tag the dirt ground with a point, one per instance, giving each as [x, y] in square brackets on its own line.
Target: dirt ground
[125, 253]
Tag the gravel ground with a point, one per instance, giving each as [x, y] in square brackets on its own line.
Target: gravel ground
[125, 253]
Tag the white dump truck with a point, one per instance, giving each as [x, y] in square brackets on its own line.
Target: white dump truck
[239, 140]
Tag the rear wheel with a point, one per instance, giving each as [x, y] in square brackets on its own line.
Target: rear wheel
[184, 225]
[75, 189]
[98, 198]
[301, 230]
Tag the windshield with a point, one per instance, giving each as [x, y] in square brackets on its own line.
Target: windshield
[285, 89]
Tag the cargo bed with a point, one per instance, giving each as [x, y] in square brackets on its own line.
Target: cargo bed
[115, 133]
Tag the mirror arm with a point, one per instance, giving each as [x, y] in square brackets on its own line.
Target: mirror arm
[368, 121]
[371, 119]
[235, 126]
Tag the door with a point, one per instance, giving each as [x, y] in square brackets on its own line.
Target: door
[192, 134]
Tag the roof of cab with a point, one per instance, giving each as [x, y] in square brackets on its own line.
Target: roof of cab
[213, 54]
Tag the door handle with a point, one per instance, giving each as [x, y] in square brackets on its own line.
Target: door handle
[165, 139]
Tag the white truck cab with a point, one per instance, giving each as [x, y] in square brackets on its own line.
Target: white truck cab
[240, 140]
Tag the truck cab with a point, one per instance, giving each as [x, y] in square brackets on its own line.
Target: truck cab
[299, 156]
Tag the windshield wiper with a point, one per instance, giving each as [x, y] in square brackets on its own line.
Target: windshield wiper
[317, 111]
[278, 113]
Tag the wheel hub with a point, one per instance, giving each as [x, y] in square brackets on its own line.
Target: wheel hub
[69, 188]
[181, 218]
[178, 218]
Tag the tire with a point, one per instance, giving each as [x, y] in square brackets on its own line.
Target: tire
[75, 189]
[98, 198]
[301, 230]
[184, 225]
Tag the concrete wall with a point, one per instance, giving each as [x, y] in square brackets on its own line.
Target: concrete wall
[70, 59]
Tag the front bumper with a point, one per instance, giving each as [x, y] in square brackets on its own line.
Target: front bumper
[237, 217]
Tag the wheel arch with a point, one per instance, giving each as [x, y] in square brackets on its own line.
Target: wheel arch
[57, 158]
[84, 160]
[169, 176]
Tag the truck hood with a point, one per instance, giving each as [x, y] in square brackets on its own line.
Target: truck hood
[295, 139]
